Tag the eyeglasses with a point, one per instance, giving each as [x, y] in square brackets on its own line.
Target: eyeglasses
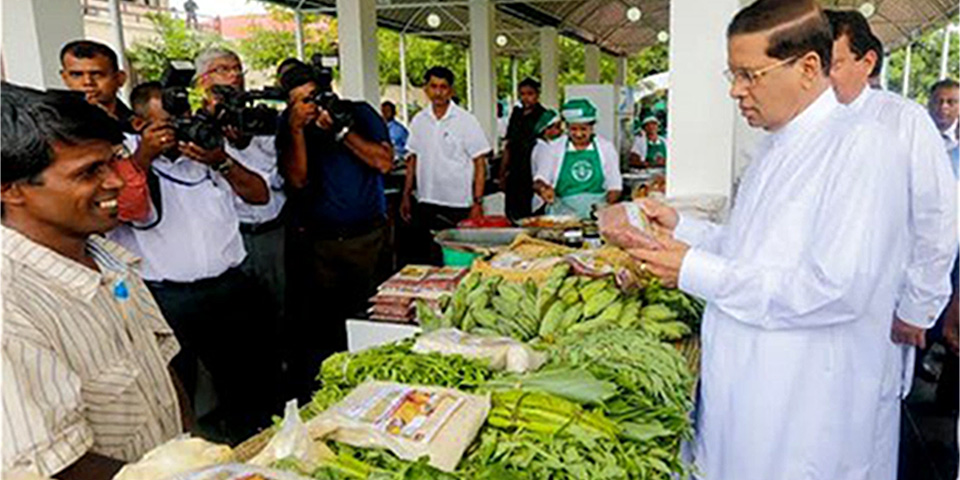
[751, 77]
[225, 70]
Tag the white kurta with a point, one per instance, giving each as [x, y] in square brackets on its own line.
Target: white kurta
[933, 204]
[800, 288]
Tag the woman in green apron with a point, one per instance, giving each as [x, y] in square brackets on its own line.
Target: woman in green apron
[650, 148]
[585, 168]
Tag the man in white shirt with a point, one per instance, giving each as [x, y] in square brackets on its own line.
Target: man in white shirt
[261, 226]
[933, 205]
[191, 252]
[944, 106]
[446, 165]
[802, 281]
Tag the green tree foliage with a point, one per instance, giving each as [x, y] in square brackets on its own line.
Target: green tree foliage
[176, 41]
[924, 64]
[266, 47]
[422, 53]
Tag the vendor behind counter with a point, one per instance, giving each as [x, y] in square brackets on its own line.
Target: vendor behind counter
[580, 169]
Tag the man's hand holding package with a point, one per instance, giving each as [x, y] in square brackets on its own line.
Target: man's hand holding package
[664, 262]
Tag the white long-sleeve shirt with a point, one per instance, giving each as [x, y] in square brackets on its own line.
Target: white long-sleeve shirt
[260, 157]
[198, 236]
[933, 204]
[798, 370]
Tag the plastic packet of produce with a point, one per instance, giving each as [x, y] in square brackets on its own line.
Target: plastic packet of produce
[501, 353]
[182, 454]
[410, 421]
[293, 442]
[626, 226]
[237, 471]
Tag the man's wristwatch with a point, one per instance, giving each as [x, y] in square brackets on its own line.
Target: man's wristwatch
[342, 134]
[224, 166]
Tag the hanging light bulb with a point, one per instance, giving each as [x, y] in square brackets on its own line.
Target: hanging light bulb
[868, 9]
[634, 14]
[663, 36]
[433, 20]
[502, 40]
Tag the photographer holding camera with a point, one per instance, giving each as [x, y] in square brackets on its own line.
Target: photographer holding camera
[261, 226]
[191, 257]
[333, 155]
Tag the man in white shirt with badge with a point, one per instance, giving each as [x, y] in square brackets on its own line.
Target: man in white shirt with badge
[933, 204]
[802, 281]
[447, 164]
[192, 251]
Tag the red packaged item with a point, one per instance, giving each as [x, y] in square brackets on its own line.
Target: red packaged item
[444, 279]
[408, 278]
[493, 221]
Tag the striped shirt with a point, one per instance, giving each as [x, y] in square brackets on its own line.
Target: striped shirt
[85, 357]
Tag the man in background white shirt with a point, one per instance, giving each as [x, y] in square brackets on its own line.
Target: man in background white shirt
[944, 106]
[191, 255]
[447, 163]
[857, 53]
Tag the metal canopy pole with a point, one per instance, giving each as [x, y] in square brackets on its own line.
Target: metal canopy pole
[905, 88]
[514, 74]
[298, 16]
[945, 51]
[117, 36]
[404, 110]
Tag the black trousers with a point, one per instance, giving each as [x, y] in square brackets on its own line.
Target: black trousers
[330, 278]
[429, 218]
[519, 191]
[226, 322]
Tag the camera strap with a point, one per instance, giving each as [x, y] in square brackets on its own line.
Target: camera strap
[153, 186]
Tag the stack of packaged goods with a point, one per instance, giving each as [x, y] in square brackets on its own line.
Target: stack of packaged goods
[394, 301]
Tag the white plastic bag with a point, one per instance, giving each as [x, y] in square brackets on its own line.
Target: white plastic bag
[182, 454]
[293, 440]
[501, 353]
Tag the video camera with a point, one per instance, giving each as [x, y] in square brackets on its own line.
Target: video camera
[234, 108]
[341, 111]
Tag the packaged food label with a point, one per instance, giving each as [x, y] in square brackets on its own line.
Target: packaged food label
[406, 412]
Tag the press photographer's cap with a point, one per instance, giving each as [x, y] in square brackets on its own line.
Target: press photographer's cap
[579, 110]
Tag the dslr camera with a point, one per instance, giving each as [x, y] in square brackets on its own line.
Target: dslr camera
[233, 109]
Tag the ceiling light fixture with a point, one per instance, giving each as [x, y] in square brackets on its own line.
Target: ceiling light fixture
[663, 36]
[868, 9]
[502, 40]
[634, 14]
[433, 20]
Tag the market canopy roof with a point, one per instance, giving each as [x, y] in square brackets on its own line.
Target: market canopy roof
[605, 22]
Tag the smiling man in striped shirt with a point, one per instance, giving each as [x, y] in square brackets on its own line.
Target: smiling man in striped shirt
[86, 384]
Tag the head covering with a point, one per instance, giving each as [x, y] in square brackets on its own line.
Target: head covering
[297, 75]
[650, 118]
[547, 118]
[579, 110]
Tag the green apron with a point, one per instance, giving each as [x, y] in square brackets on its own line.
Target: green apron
[655, 150]
[580, 183]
